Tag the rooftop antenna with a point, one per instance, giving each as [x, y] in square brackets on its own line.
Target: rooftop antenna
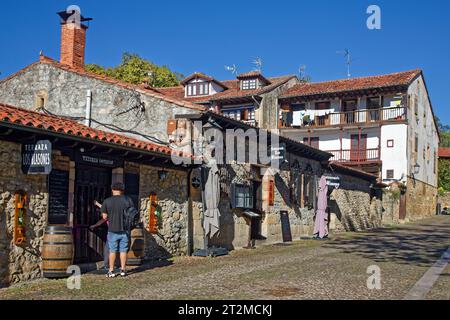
[349, 60]
[257, 62]
[232, 68]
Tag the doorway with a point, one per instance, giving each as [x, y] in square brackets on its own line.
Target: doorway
[91, 184]
[402, 207]
[349, 108]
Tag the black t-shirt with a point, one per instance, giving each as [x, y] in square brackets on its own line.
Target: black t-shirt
[114, 207]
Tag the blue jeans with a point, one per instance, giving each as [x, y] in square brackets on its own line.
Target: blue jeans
[118, 242]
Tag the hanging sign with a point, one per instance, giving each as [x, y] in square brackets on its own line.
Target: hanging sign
[37, 157]
[333, 181]
[100, 161]
[278, 153]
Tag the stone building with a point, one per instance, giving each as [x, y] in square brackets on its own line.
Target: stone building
[65, 88]
[82, 162]
[281, 199]
[250, 97]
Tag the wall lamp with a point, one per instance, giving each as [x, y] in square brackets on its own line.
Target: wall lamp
[162, 174]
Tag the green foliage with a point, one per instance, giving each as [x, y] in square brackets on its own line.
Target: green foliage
[445, 140]
[441, 192]
[394, 194]
[444, 130]
[136, 70]
[444, 174]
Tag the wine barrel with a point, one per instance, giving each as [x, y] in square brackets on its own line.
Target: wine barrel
[57, 251]
[136, 253]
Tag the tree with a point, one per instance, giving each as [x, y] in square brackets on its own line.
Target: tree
[444, 130]
[136, 70]
[444, 174]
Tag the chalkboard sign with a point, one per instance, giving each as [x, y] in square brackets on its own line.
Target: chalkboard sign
[58, 197]
[37, 157]
[285, 226]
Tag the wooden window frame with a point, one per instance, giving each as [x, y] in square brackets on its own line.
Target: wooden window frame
[195, 87]
[390, 143]
[390, 173]
[317, 105]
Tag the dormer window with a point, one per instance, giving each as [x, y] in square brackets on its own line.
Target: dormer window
[249, 84]
[199, 84]
[252, 80]
[197, 89]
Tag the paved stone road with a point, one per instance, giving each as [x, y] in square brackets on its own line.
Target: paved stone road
[308, 269]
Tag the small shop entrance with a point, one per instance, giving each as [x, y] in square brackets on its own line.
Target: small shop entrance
[92, 184]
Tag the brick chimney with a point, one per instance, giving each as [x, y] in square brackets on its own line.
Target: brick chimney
[73, 40]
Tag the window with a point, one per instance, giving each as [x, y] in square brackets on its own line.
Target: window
[198, 89]
[416, 144]
[389, 174]
[323, 105]
[248, 84]
[390, 143]
[435, 160]
[416, 105]
[244, 114]
[242, 196]
[428, 153]
[298, 107]
[312, 142]
[374, 102]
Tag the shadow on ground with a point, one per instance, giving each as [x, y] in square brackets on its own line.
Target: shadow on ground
[403, 245]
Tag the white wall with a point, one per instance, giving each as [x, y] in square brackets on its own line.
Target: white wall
[423, 125]
[394, 158]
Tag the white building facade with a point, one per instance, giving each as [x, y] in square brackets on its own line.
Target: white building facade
[383, 125]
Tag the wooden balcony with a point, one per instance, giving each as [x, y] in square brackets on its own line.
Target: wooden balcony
[348, 118]
[355, 156]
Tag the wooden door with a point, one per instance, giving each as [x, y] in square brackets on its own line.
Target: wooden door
[358, 151]
[402, 209]
[92, 184]
[349, 107]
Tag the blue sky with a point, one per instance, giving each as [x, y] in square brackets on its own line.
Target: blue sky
[204, 36]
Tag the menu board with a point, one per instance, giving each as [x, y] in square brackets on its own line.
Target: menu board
[58, 197]
[285, 226]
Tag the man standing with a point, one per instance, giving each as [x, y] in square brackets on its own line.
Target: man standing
[113, 209]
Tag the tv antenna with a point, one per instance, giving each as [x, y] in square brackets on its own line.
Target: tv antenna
[349, 60]
[257, 62]
[232, 68]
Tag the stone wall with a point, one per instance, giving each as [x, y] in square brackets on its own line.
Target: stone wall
[19, 263]
[172, 193]
[353, 207]
[421, 200]
[65, 92]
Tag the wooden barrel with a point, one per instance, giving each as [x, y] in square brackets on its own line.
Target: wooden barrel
[136, 252]
[57, 251]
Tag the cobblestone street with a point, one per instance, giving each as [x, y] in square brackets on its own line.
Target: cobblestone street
[306, 269]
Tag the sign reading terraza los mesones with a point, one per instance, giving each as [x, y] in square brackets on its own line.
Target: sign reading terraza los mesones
[37, 157]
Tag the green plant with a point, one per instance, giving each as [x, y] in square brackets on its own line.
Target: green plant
[441, 192]
[444, 174]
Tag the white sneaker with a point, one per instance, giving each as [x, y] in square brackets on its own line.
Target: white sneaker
[110, 274]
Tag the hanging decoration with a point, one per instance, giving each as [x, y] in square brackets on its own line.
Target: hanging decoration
[20, 217]
[154, 214]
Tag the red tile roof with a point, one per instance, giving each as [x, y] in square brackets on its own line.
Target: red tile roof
[233, 91]
[348, 85]
[25, 118]
[444, 153]
[144, 89]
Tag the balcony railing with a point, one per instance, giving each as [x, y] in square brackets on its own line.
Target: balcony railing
[356, 117]
[355, 156]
